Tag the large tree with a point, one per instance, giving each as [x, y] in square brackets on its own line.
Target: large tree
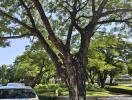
[110, 50]
[56, 23]
[35, 63]
[3, 74]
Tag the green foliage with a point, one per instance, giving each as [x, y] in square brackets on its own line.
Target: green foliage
[51, 89]
[108, 55]
[109, 51]
[58, 17]
[50, 86]
[100, 65]
[31, 61]
[43, 90]
[57, 12]
[3, 74]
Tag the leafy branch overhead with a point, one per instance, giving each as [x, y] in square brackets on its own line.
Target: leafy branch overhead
[65, 29]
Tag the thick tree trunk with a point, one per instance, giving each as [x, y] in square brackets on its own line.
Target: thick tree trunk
[76, 79]
[91, 77]
[111, 80]
[76, 70]
[102, 82]
[92, 81]
[102, 78]
[77, 86]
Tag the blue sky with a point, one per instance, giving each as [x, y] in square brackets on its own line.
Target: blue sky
[8, 54]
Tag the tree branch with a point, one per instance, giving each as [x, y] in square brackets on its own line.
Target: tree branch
[67, 3]
[79, 29]
[46, 46]
[16, 37]
[80, 8]
[57, 42]
[96, 16]
[69, 36]
[93, 6]
[2, 13]
[101, 6]
[28, 13]
[115, 11]
[38, 77]
[83, 16]
[114, 20]
[73, 15]
[52, 54]
[66, 8]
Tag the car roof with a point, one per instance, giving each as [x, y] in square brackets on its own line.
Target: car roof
[15, 84]
[15, 87]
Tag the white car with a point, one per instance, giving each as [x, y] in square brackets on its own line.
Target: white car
[17, 92]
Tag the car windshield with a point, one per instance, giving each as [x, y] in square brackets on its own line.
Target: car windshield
[16, 93]
[124, 76]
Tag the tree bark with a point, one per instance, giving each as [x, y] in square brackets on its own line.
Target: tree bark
[76, 79]
[111, 80]
[91, 76]
[77, 86]
[38, 77]
[102, 78]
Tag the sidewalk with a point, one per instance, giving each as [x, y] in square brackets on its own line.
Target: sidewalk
[120, 97]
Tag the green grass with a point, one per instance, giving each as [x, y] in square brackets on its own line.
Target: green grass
[91, 91]
[94, 93]
[88, 93]
[123, 87]
[99, 92]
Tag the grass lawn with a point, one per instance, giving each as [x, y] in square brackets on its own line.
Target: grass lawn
[123, 87]
[95, 93]
[88, 93]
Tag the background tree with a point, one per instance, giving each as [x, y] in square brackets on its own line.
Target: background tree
[3, 74]
[111, 49]
[128, 53]
[50, 20]
[101, 68]
[34, 63]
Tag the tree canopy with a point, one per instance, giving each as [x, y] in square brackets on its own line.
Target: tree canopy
[56, 23]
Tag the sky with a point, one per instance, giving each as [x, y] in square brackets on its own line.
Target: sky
[8, 54]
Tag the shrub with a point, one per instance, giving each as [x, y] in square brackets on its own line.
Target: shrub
[53, 86]
[51, 89]
[41, 86]
[46, 98]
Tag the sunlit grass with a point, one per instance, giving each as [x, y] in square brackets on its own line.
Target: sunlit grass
[88, 93]
[91, 91]
[123, 87]
[94, 93]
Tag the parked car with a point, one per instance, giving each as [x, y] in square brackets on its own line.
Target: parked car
[17, 92]
[125, 77]
[107, 81]
[15, 84]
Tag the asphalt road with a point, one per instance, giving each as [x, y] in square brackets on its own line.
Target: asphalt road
[114, 98]
[121, 97]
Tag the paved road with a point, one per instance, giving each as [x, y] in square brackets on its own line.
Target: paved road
[114, 98]
[122, 97]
